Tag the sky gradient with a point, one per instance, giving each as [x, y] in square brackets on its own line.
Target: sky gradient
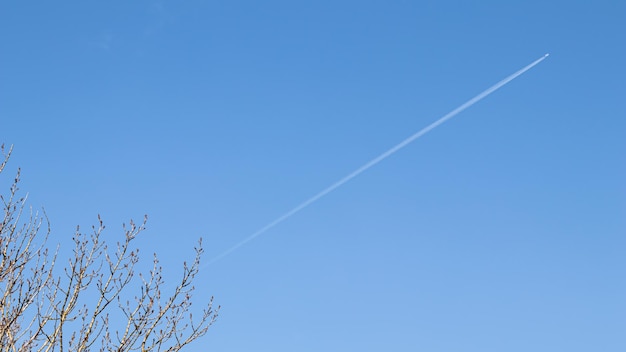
[502, 230]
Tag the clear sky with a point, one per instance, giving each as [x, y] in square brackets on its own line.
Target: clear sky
[502, 230]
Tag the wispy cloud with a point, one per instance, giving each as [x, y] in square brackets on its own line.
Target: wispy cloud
[104, 41]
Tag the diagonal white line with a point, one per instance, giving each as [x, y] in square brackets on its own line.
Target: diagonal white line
[377, 159]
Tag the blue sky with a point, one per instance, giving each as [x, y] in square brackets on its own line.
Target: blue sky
[503, 229]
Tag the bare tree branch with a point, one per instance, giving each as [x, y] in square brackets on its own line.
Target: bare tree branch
[43, 311]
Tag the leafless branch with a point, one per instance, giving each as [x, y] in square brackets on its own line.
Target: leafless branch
[41, 310]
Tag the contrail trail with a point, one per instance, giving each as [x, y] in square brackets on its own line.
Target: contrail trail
[378, 159]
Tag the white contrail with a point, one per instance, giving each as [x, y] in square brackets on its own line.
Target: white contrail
[378, 159]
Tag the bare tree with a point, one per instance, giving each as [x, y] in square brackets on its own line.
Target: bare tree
[73, 310]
